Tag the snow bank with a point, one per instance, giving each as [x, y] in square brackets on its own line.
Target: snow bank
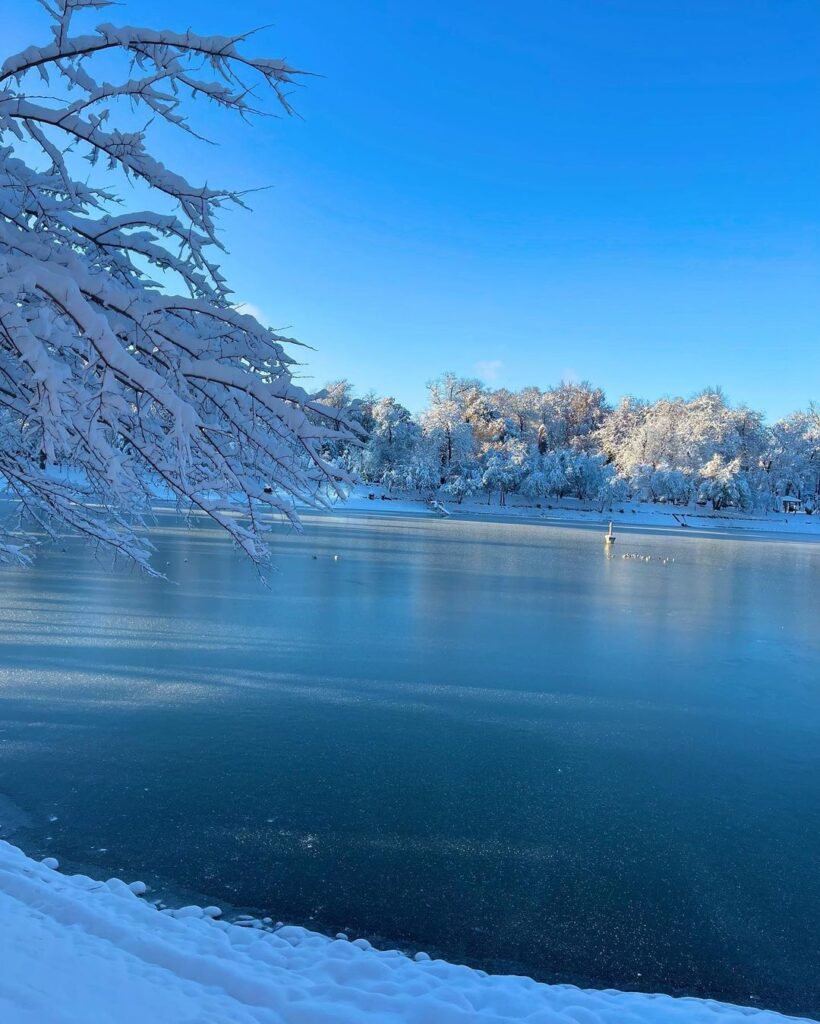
[77, 951]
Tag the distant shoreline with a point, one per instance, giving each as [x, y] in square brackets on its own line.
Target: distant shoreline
[635, 515]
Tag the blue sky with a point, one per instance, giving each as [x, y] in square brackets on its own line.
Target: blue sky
[608, 189]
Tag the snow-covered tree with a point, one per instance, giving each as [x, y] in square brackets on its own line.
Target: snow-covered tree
[725, 484]
[423, 470]
[587, 474]
[504, 467]
[616, 435]
[663, 447]
[572, 412]
[125, 368]
[337, 394]
[546, 475]
[445, 426]
[464, 484]
[664, 484]
[515, 412]
[614, 490]
[791, 462]
[391, 445]
[567, 442]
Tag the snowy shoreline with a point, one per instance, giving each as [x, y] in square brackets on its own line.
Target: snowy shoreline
[112, 957]
[570, 512]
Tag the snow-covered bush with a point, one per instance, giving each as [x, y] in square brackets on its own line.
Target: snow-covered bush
[125, 369]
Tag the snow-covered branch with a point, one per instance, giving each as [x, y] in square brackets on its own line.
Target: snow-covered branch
[114, 390]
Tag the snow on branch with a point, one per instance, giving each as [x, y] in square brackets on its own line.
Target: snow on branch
[112, 389]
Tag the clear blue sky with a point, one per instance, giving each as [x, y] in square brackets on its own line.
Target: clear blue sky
[621, 190]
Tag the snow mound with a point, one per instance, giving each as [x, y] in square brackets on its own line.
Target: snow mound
[73, 951]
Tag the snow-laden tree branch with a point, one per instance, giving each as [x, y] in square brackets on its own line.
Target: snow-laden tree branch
[112, 389]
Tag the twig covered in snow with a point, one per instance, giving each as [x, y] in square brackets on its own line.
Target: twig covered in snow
[110, 386]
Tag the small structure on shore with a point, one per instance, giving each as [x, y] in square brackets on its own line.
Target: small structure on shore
[609, 538]
[790, 503]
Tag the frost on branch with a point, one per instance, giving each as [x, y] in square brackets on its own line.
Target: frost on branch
[113, 389]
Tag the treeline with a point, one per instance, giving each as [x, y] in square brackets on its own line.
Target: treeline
[568, 441]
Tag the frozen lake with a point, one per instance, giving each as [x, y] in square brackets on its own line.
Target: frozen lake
[489, 741]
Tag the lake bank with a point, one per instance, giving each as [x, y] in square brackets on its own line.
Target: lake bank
[630, 515]
[76, 950]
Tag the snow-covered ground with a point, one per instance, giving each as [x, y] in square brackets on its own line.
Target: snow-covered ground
[571, 510]
[77, 951]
